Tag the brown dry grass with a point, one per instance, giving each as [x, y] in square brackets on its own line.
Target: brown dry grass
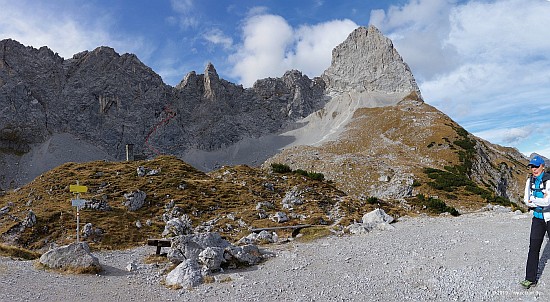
[313, 233]
[18, 253]
[204, 197]
[402, 140]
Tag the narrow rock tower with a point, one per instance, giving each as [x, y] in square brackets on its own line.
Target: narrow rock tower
[367, 61]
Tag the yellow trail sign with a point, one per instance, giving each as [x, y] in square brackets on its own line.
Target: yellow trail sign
[78, 189]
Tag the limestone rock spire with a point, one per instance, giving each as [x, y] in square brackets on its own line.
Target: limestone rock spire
[211, 81]
[367, 61]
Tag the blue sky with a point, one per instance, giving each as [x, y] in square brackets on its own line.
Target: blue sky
[484, 63]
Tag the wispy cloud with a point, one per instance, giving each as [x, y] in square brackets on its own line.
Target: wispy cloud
[508, 136]
[182, 6]
[185, 15]
[530, 138]
[216, 36]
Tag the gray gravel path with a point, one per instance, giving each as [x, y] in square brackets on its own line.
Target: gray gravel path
[474, 257]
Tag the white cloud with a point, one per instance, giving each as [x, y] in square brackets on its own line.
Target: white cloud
[500, 30]
[63, 28]
[418, 30]
[313, 46]
[271, 47]
[507, 49]
[216, 36]
[266, 38]
[507, 135]
[39, 27]
[484, 63]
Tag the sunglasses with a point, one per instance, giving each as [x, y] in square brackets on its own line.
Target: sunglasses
[534, 167]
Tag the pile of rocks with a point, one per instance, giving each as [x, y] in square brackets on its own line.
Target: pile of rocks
[198, 256]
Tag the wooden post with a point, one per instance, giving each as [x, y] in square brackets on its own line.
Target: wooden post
[129, 152]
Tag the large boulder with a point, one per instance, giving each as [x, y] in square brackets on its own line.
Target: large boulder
[211, 259]
[377, 216]
[206, 253]
[238, 256]
[190, 246]
[134, 200]
[264, 237]
[75, 257]
[187, 274]
[178, 226]
[374, 220]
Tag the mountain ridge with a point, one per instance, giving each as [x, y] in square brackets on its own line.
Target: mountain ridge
[110, 101]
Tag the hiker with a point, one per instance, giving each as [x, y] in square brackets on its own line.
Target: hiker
[536, 198]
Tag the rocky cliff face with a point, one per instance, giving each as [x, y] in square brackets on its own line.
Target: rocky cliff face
[367, 61]
[109, 101]
[98, 96]
[92, 105]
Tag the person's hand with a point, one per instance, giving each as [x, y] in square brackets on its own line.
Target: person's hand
[530, 204]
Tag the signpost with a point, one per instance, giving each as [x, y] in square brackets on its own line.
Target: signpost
[78, 203]
[78, 188]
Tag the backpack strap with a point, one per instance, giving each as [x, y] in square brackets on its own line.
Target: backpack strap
[545, 177]
[542, 185]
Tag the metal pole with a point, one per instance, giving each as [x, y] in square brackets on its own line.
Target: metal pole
[77, 224]
[77, 217]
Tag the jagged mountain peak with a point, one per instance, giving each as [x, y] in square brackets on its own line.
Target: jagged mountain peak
[212, 84]
[208, 85]
[105, 50]
[210, 71]
[368, 61]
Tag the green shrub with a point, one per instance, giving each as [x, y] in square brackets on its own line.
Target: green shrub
[372, 200]
[300, 172]
[280, 168]
[316, 176]
[438, 206]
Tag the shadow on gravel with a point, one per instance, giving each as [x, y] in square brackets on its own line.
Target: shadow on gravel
[544, 258]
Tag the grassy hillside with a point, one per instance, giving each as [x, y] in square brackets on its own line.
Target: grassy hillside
[225, 200]
[398, 152]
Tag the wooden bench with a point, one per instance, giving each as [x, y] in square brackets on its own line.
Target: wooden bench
[159, 243]
[295, 228]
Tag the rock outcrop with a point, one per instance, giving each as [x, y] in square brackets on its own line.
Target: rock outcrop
[367, 61]
[200, 255]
